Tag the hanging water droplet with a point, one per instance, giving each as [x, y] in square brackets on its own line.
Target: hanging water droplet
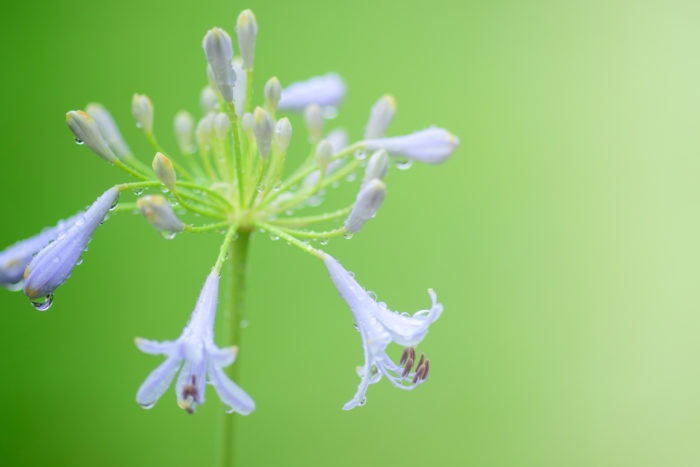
[277, 186]
[164, 190]
[138, 191]
[80, 261]
[403, 164]
[114, 205]
[79, 141]
[361, 154]
[323, 241]
[347, 236]
[354, 324]
[261, 188]
[404, 314]
[274, 237]
[352, 274]
[166, 234]
[372, 295]
[45, 304]
[174, 202]
[363, 401]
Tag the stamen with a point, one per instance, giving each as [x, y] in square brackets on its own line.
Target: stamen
[404, 356]
[427, 368]
[407, 370]
[413, 354]
[420, 362]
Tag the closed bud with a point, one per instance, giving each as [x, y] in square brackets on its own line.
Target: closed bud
[324, 152]
[239, 90]
[283, 134]
[157, 210]
[142, 109]
[109, 129]
[164, 171]
[262, 127]
[184, 131]
[247, 29]
[204, 130]
[380, 117]
[222, 125]
[86, 131]
[377, 166]
[219, 50]
[313, 119]
[247, 125]
[273, 91]
[208, 100]
[368, 201]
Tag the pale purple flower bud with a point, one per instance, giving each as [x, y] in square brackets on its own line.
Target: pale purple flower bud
[54, 263]
[239, 90]
[313, 118]
[273, 92]
[86, 131]
[247, 125]
[157, 210]
[313, 178]
[184, 131]
[164, 170]
[368, 200]
[378, 327]
[109, 129]
[247, 29]
[262, 127]
[142, 109]
[205, 130]
[195, 355]
[380, 117]
[377, 167]
[219, 50]
[326, 91]
[208, 100]
[338, 139]
[222, 126]
[432, 145]
[324, 152]
[283, 134]
[14, 259]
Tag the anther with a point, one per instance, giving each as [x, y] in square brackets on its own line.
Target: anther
[420, 373]
[404, 356]
[413, 354]
[420, 362]
[427, 368]
[407, 370]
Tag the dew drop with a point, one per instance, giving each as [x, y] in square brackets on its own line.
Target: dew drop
[373, 295]
[165, 190]
[277, 186]
[335, 184]
[174, 203]
[114, 205]
[79, 141]
[274, 237]
[261, 188]
[138, 191]
[166, 234]
[244, 323]
[361, 154]
[323, 241]
[80, 261]
[363, 401]
[405, 315]
[403, 164]
[43, 305]
[347, 236]
[138, 125]
[351, 177]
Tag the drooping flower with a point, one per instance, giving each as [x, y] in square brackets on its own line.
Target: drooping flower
[432, 145]
[378, 327]
[14, 259]
[54, 263]
[197, 358]
[326, 91]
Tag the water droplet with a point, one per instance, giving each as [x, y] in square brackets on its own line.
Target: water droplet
[45, 304]
[329, 112]
[261, 188]
[314, 201]
[277, 186]
[174, 202]
[165, 190]
[274, 237]
[403, 164]
[373, 295]
[352, 274]
[80, 261]
[335, 184]
[323, 241]
[114, 205]
[351, 177]
[79, 141]
[347, 236]
[138, 191]
[166, 234]
[354, 324]
[138, 125]
[363, 401]
[405, 315]
[361, 154]
[244, 323]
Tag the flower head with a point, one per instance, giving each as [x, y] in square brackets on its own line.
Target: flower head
[197, 358]
[378, 327]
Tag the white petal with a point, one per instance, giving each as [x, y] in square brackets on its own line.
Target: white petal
[229, 392]
[157, 382]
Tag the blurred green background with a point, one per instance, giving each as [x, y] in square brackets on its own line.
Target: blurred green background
[562, 238]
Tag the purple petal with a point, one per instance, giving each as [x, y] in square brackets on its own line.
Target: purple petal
[158, 381]
[229, 392]
[432, 146]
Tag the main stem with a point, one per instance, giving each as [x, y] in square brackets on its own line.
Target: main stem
[233, 315]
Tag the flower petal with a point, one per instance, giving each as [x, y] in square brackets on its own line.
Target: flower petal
[229, 392]
[432, 145]
[158, 381]
[326, 91]
[154, 347]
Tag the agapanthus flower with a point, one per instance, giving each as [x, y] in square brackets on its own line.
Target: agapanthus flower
[197, 358]
[379, 327]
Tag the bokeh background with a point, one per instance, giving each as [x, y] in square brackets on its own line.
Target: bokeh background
[562, 237]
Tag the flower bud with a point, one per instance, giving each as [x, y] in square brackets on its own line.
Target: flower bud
[326, 91]
[283, 134]
[184, 131]
[314, 122]
[239, 90]
[109, 129]
[164, 171]
[219, 50]
[377, 166]
[86, 131]
[432, 145]
[222, 125]
[262, 127]
[247, 125]
[247, 29]
[324, 152]
[142, 109]
[156, 209]
[338, 139]
[273, 91]
[208, 100]
[205, 129]
[368, 201]
[380, 117]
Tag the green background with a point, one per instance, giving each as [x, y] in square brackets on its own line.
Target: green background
[562, 238]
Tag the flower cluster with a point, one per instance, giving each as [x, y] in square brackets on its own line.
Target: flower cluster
[232, 169]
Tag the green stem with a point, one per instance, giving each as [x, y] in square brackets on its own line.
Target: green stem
[233, 314]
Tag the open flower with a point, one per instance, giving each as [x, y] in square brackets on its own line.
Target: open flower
[378, 327]
[196, 355]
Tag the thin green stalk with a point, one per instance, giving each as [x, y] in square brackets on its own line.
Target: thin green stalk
[233, 314]
[302, 221]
